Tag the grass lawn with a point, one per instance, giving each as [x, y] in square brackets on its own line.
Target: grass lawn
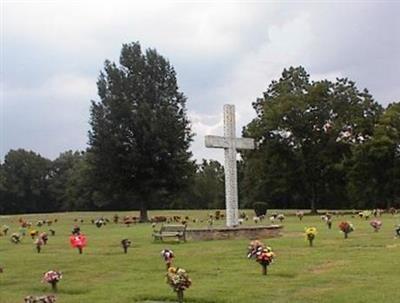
[363, 268]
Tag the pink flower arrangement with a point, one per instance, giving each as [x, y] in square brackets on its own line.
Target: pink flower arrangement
[52, 277]
[376, 224]
[168, 255]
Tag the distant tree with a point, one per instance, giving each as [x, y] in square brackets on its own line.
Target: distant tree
[314, 125]
[374, 169]
[140, 133]
[62, 170]
[80, 186]
[208, 188]
[25, 178]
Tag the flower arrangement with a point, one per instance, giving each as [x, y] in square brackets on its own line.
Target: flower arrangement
[168, 256]
[100, 222]
[76, 230]
[310, 232]
[125, 244]
[15, 238]
[78, 241]
[376, 224]
[44, 237]
[300, 215]
[52, 277]
[254, 247]
[179, 280]
[33, 233]
[41, 299]
[5, 229]
[39, 243]
[397, 230]
[265, 257]
[346, 228]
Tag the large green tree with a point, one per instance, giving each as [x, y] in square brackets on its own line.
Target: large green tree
[25, 178]
[374, 169]
[140, 134]
[306, 129]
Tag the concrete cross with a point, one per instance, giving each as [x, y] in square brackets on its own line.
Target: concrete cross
[230, 144]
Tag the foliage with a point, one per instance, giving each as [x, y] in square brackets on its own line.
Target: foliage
[140, 134]
[305, 131]
[260, 208]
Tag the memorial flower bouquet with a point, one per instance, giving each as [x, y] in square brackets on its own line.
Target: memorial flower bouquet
[397, 230]
[126, 244]
[52, 277]
[310, 232]
[15, 238]
[5, 229]
[300, 215]
[265, 257]
[376, 224]
[33, 233]
[78, 241]
[41, 299]
[254, 247]
[168, 255]
[179, 280]
[346, 228]
[39, 243]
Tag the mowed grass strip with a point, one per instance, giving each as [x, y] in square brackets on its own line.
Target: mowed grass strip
[363, 268]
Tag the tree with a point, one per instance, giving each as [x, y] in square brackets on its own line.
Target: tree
[25, 180]
[140, 133]
[374, 169]
[314, 124]
[62, 170]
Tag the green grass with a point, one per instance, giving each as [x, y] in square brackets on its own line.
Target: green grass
[363, 268]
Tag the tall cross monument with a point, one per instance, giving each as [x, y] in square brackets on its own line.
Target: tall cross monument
[230, 144]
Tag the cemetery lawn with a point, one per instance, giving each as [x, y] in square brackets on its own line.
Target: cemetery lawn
[363, 268]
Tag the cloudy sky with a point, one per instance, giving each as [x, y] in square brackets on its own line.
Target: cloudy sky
[223, 52]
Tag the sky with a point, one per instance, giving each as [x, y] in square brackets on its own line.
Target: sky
[224, 52]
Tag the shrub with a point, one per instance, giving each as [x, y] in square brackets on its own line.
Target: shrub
[260, 208]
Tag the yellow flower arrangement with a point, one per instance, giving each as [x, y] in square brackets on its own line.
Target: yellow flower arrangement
[310, 232]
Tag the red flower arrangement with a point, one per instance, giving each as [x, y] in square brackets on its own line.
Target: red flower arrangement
[52, 277]
[346, 228]
[79, 241]
[265, 257]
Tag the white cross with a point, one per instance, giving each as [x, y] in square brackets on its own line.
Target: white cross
[230, 144]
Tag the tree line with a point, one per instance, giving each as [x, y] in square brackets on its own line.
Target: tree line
[321, 144]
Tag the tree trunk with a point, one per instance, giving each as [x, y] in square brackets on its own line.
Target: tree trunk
[313, 208]
[143, 211]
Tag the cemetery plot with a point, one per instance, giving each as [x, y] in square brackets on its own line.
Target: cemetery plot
[284, 269]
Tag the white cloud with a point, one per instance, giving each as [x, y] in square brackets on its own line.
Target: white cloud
[227, 53]
[63, 86]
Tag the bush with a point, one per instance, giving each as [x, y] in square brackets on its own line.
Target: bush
[260, 208]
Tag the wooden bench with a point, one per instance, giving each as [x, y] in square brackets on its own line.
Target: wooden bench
[170, 231]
